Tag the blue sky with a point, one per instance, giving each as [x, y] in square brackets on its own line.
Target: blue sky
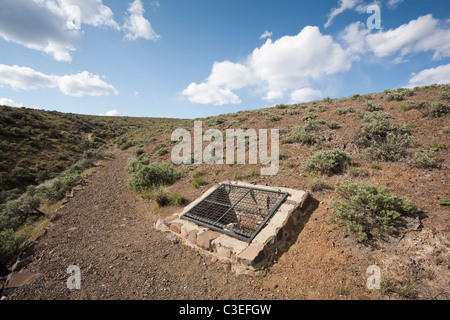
[196, 58]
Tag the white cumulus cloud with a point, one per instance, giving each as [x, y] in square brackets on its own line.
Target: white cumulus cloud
[230, 75]
[393, 4]
[24, 78]
[289, 63]
[93, 12]
[48, 25]
[343, 5]
[305, 95]
[38, 25]
[112, 113]
[84, 84]
[293, 62]
[438, 75]
[76, 85]
[266, 34]
[9, 102]
[205, 93]
[424, 34]
[136, 26]
[54, 26]
[217, 89]
[420, 35]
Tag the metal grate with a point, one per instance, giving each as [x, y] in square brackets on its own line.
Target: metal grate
[238, 211]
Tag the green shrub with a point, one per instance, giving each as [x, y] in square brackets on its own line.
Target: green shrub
[88, 159]
[294, 112]
[139, 151]
[394, 96]
[61, 186]
[329, 162]
[323, 108]
[311, 125]
[9, 246]
[425, 159]
[135, 164]
[406, 106]
[309, 116]
[178, 199]
[340, 111]
[161, 149]
[406, 92]
[274, 117]
[161, 196]
[438, 109]
[20, 209]
[371, 107]
[376, 166]
[124, 143]
[198, 179]
[333, 125]
[444, 95]
[302, 135]
[220, 120]
[153, 175]
[380, 116]
[367, 212]
[445, 202]
[384, 140]
[356, 97]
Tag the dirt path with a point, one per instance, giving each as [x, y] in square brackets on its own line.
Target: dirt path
[108, 233]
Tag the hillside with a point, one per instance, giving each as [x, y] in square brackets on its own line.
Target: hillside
[37, 145]
[397, 139]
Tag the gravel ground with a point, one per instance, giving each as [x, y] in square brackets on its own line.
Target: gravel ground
[108, 233]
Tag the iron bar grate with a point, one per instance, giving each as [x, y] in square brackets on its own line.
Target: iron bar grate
[238, 211]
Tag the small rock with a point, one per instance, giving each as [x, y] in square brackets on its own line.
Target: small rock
[56, 216]
[161, 226]
[172, 238]
[241, 271]
[226, 267]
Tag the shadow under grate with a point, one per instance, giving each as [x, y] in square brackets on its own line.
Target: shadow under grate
[235, 210]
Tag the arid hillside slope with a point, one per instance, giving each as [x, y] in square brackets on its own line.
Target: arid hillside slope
[395, 139]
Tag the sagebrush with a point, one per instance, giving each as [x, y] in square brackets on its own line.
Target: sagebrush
[367, 212]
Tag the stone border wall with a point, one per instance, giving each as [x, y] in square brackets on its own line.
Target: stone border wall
[274, 238]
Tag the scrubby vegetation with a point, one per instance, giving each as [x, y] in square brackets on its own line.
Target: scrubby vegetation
[438, 109]
[153, 175]
[37, 145]
[14, 213]
[303, 135]
[376, 134]
[329, 162]
[151, 180]
[425, 159]
[383, 139]
[368, 212]
[398, 95]
[372, 107]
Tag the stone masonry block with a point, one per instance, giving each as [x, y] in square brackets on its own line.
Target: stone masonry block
[205, 239]
[253, 255]
[306, 201]
[176, 227]
[192, 236]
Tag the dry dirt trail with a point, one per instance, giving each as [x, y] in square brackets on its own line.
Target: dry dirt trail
[108, 233]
